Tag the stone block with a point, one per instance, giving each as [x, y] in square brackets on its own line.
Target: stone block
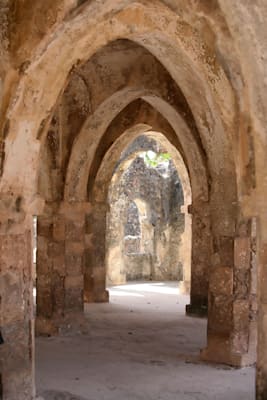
[74, 282]
[11, 295]
[240, 334]
[244, 228]
[253, 274]
[74, 231]
[45, 226]
[263, 282]
[96, 223]
[75, 208]
[217, 348]
[221, 281]
[75, 248]
[101, 296]
[199, 281]
[17, 360]
[45, 327]
[88, 287]
[220, 314]
[254, 303]
[59, 264]
[55, 249]
[74, 265]
[59, 229]
[73, 299]
[241, 283]
[43, 264]
[242, 253]
[88, 258]
[58, 289]
[199, 300]
[99, 274]
[43, 280]
[219, 351]
[94, 257]
[226, 250]
[44, 301]
[196, 311]
[42, 245]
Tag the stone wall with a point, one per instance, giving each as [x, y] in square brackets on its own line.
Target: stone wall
[59, 265]
[147, 202]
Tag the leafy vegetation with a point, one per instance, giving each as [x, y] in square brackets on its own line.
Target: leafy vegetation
[153, 159]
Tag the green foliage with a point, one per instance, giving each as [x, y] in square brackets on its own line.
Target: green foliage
[153, 160]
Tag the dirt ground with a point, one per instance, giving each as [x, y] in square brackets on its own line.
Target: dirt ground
[140, 346]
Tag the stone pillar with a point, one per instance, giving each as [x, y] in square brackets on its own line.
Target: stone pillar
[16, 303]
[261, 378]
[116, 255]
[95, 255]
[232, 303]
[60, 265]
[201, 260]
[185, 253]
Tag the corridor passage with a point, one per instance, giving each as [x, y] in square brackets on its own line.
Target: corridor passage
[140, 346]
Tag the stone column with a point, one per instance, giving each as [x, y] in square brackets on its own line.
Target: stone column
[95, 255]
[201, 260]
[232, 302]
[185, 252]
[60, 265]
[16, 302]
[261, 378]
[116, 255]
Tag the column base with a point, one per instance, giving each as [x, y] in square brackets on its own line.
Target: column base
[17, 370]
[218, 351]
[73, 322]
[45, 327]
[96, 297]
[195, 310]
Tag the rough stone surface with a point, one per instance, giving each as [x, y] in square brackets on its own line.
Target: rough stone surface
[79, 81]
[147, 202]
[17, 351]
[59, 267]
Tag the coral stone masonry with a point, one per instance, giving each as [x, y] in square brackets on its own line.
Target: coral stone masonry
[134, 133]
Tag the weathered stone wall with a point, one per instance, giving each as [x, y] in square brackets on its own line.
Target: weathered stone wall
[232, 302]
[147, 202]
[201, 66]
[60, 265]
[95, 254]
[16, 300]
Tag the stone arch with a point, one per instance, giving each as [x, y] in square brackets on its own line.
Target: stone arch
[49, 61]
[95, 126]
[18, 185]
[205, 78]
[79, 166]
[109, 174]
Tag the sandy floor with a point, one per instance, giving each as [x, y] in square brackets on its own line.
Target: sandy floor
[140, 346]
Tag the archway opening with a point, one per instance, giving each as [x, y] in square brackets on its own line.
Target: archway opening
[148, 226]
[83, 197]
